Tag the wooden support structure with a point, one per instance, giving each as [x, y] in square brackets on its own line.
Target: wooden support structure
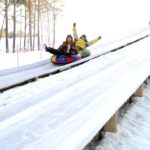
[139, 91]
[111, 125]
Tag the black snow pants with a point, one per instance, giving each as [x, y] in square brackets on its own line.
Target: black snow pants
[54, 51]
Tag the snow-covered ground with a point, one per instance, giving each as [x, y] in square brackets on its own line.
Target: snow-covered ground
[11, 60]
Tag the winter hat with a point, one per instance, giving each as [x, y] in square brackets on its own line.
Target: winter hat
[80, 43]
[84, 36]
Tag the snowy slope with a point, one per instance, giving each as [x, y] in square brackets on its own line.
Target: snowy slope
[67, 117]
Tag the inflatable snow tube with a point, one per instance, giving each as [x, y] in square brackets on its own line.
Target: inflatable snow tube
[85, 53]
[63, 59]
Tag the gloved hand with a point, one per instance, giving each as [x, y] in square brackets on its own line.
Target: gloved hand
[74, 28]
[99, 37]
[74, 24]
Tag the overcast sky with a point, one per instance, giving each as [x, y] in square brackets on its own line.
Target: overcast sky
[105, 17]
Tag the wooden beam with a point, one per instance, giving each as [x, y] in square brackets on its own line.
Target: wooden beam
[111, 125]
[139, 91]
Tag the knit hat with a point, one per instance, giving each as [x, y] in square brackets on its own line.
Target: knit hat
[84, 36]
[80, 43]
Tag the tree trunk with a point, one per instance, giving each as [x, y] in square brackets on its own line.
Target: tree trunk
[30, 24]
[34, 25]
[14, 30]
[2, 27]
[6, 14]
[54, 25]
[38, 26]
[25, 27]
[48, 29]
[21, 29]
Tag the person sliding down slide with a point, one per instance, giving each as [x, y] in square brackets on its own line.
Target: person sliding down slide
[84, 52]
[83, 37]
[66, 53]
[67, 47]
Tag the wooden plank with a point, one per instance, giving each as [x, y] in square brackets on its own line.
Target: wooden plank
[111, 125]
[139, 91]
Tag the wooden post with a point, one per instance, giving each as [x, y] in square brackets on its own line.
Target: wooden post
[139, 91]
[111, 125]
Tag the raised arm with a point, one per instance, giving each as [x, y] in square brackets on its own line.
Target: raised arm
[94, 41]
[75, 35]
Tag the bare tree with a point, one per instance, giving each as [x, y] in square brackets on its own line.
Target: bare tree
[6, 22]
[25, 26]
[1, 32]
[14, 27]
[34, 25]
[56, 8]
[38, 26]
[20, 29]
[30, 24]
[49, 9]
[39, 16]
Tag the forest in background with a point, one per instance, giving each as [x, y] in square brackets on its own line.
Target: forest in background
[29, 20]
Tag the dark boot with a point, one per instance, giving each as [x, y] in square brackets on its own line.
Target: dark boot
[53, 51]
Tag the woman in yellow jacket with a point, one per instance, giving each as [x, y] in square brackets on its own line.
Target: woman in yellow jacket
[82, 43]
[83, 37]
